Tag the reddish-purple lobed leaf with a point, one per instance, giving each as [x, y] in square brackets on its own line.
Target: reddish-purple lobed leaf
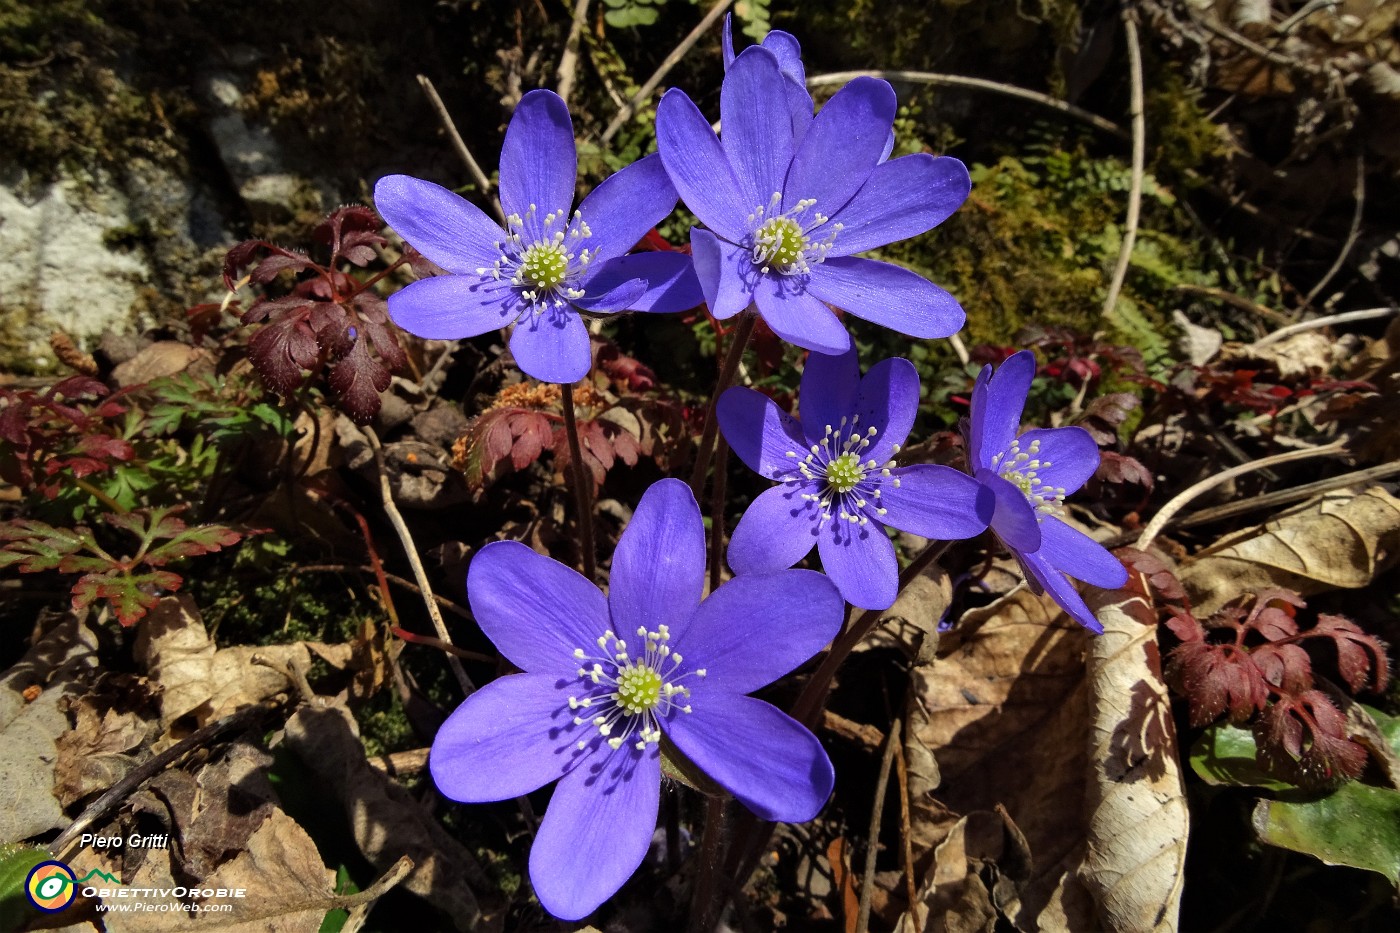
[1120, 468]
[1361, 658]
[357, 379]
[277, 263]
[1303, 739]
[1216, 679]
[1286, 667]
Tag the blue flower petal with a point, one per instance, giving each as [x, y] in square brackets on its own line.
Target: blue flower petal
[759, 432]
[1070, 551]
[552, 346]
[776, 531]
[997, 401]
[755, 126]
[441, 225]
[450, 307]
[658, 569]
[888, 400]
[726, 273]
[841, 147]
[902, 198]
[1071, 452]
[628, 203]
[596, 831]
[758, 627]
[937, 502]
[762, 756]
[860, 561]
[539, 164]
[798, 316]
[514, 735]
[1046, 579]
[669, 278]
[887, 295]
[699, 168]
[1014, 520]
[535, 610]
[620, 295]
[827, 392]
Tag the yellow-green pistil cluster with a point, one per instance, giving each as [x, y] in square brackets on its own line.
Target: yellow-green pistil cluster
[543, 256]
[634, 691]
[780, 240]
[1020, 468]
[848, 483]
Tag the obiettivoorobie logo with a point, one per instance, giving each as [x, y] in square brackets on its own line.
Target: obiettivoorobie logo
[51, 886]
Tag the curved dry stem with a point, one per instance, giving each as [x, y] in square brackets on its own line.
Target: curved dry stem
[1130, 225]
[1180, 501]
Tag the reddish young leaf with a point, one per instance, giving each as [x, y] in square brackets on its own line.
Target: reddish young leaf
[1303, 739]
[131, 596]
[277, 263]
[1120, 468]
[1286, 667]
[1361, 658]
[1159, 578]
[1216, 679]
[501, 440]
[623, 369]
[1105, 414]
[357, 379]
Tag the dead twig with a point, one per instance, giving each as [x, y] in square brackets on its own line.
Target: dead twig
[1130, 226]
[867, 883]
[1179, 502]
[478, 176]
[1230, 298]
[568, 60]
[1316, 323]
[906, 834]
[442, 601]
[411, 551]
[399, 763]
[978, 84]
[669, 62]
[1353, 234]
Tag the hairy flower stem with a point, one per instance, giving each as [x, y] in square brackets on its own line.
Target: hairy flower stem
[707, 900]
[582, 500]
[717, 496]
[738, 341]
[751, 833]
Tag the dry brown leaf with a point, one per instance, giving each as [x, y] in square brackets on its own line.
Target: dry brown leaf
[1137, 816]
[98, 750]
[288, 887]
[199, 678]
[952, 897]
[60, 664]
[387, 822]
[1003, 710]
[1340, 540]
[162, 358]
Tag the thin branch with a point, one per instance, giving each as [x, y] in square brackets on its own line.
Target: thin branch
[1230, 298]
[979, 84]
[669, 62]
[150, 768]
[706, 903]
[399, 763]
[1180, 501]
[1130, 226]
[568, 61]
[1270, 500]
[872, 845]
[906, 835]
[386, 493]
[1346, 317]
[483, 183]
[1353, 234]
[582, 500]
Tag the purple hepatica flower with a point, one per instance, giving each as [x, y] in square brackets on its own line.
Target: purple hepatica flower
[840, 487]
[1030, 476]
[595, 701]
[787, 209]
[546, 265]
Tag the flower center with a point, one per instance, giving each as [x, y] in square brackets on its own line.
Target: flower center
[848, 484]
[544, 265]
[1020, 468]
[844, 473]
[542, 257]
[631, 693]
[780, 241]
